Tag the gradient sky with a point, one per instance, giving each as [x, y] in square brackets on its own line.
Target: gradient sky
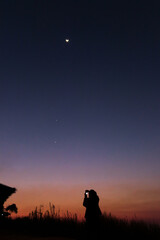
[84, 114]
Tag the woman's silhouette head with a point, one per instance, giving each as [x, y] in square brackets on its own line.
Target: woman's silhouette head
[92, 194]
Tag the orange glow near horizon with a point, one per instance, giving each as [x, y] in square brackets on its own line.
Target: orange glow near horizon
[121, 201]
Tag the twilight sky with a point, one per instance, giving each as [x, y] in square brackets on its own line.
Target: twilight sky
[83, 114]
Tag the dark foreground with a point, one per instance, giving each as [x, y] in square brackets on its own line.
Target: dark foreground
[42, 228]
[22, 237]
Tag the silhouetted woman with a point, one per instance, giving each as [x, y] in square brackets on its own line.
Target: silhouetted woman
[93, 212]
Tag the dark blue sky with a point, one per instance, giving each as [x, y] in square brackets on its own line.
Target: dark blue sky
[93, 103]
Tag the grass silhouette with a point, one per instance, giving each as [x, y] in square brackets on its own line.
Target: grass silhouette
[51, 224]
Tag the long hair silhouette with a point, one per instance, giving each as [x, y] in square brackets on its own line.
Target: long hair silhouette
[91, 203]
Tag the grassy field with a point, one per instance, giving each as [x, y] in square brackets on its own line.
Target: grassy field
[51, 226]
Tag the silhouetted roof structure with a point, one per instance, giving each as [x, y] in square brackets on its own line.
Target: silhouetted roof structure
[5, 192]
